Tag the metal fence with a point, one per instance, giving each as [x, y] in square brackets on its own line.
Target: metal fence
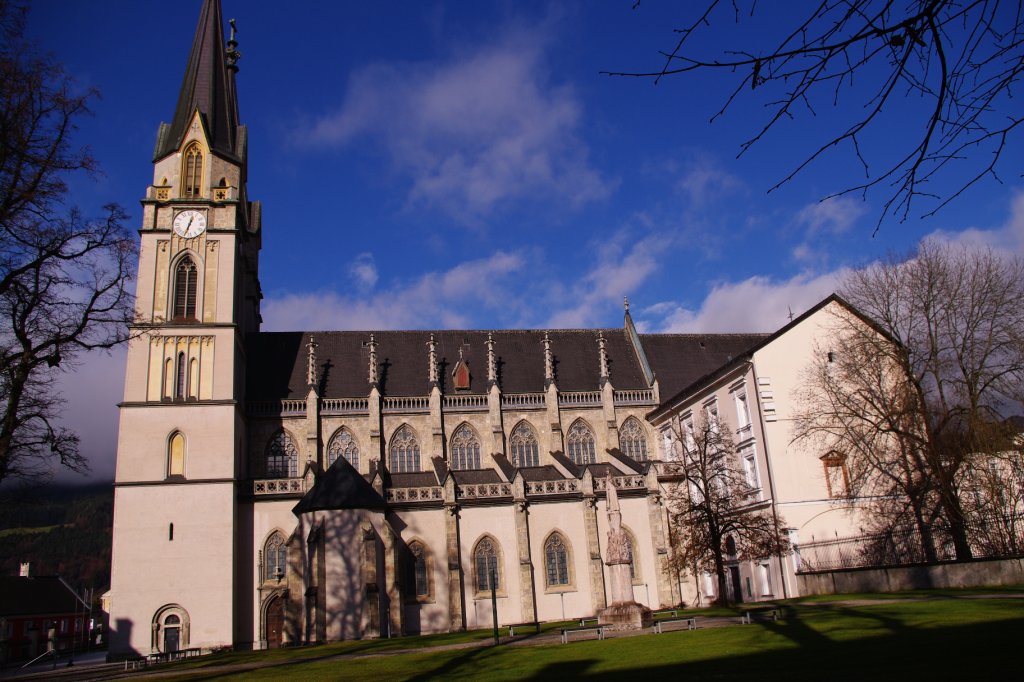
[998, 537]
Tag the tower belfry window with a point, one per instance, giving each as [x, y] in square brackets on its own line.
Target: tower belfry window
[192, 172]
[185, 280]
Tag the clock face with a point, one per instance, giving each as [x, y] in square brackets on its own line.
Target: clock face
[189, 224]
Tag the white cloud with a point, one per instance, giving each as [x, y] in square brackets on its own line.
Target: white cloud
[363, 270]
[472, 132]
[757, 304]
[1008, 237]
[822, 219]
[704, 180]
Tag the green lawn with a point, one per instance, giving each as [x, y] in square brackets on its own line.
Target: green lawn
[943, 637]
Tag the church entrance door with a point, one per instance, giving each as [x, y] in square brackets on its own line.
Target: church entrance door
[275, 622]
[737, 587]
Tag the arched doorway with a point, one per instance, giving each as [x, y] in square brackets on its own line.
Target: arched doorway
[274, 621]
[172, 634]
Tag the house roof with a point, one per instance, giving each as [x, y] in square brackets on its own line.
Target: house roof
[36, 596]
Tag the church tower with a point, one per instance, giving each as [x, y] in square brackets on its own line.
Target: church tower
[176, 569]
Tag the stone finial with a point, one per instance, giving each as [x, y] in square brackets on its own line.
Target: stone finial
[373, 361]
[625, 303]
[311, 368]
[492, 367]
[602, 353]
[549, 365]
[432, 360]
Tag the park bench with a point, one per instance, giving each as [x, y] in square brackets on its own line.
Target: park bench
[691, 623]
[748, 617]
[596, 628]
[512, 628]
[584, 621]
[667, 613]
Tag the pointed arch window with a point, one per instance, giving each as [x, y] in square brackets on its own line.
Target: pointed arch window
[185, 281]
[192, 172]
[176, 455]
[405, 451]
[465, 449]
[633, 440]
[181, 378]
[343, 445]
[419, 571]
[282, 457]
[485, 559]
[275, 557]
[556, 561]
[523, 442]
[581, 444]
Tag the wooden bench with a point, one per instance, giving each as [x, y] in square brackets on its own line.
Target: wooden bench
[670, 613]
[691, 623]
[747, 618]
[512, 628]
[598, 628]
[584, 621]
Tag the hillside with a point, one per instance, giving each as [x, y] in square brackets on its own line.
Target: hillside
[60, 530]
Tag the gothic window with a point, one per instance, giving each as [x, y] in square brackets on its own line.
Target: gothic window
[524, 446]
[419, 576]
[556, 561]
[465, 449]
[343, 445]
[185, 279]
[581, 443]
[837, 476]
[405, 451]
[633, 440]
[282, 457]
[176, 455]
[485, 559]
[180, 378]
[275, 557]
[192, 172]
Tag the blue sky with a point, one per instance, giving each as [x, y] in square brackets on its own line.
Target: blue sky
[432, 165]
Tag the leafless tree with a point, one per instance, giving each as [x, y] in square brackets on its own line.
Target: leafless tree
[714, 509]
[63, 276]
[910, 399]
[954, 64]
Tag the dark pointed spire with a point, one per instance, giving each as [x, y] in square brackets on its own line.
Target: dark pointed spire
[209, 87]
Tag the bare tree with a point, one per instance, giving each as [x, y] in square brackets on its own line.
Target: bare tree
[63, 276]
[912, 399]
[954, 64]
[714, 508]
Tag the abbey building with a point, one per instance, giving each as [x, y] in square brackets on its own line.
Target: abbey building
[277, 488]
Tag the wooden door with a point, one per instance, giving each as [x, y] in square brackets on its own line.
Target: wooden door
[275, 622]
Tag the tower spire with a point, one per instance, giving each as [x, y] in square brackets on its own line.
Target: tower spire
[208, 86]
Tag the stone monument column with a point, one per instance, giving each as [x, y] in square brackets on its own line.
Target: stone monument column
[623, 613]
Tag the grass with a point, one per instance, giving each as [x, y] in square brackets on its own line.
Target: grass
[935, 639]
[28, 531]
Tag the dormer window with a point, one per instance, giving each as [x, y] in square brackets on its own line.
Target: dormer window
[192, 172]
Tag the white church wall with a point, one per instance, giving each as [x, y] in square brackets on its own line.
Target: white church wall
[555, 602]
[498, 523]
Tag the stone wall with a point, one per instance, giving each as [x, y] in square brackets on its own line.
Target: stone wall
[980, 573]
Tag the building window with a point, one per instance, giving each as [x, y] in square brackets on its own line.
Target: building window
[275, 557]
[742, 409]
[181, 378]
[419, 577]
[185, 281]
[176, 455]
[749, 458]
[282, 457]
[524, 446]
[633, 440]
[343, 445]
[405, 451]
[485, 559]
[711, 414]
[766, 579]
[556, 561]
[192, 172]
[465, 449]
[837, 476]
[581, 443]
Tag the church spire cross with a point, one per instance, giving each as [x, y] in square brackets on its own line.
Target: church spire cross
[625, 303]
[311, 368]
[432, 361]
[373, 361]
[231, 54]
[492, 371]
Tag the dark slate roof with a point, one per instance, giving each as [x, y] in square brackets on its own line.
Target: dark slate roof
[207, 86]
[543, 473]
[413, 479]
[617, 454]
[36, 596]
[464, 476]
[602, 470]
[276, 361]
[678, 360]
[341, 487]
